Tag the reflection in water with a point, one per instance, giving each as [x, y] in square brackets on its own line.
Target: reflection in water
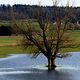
[43, 75]
[22, 67]
[40, 74]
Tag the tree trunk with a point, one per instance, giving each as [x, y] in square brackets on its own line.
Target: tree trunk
[51, 64]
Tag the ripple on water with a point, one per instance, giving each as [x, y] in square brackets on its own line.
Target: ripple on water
[17, 67]
[36, 69]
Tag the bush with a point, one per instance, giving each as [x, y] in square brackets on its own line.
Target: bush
[5, 31]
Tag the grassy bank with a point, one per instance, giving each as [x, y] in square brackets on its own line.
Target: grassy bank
[5, 50]
[7, 44]
[8, 40]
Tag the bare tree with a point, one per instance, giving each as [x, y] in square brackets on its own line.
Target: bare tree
[41, 36]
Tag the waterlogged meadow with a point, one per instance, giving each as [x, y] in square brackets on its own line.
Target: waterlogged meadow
[17, 64]
[24, 67]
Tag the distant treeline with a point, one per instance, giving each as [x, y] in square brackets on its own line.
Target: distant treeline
[28, 11]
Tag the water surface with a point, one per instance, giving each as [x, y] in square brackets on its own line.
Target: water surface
[24, 67]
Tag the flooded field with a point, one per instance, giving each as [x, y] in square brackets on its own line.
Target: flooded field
[24, 67]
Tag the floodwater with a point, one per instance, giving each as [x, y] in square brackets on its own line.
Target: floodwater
[24, 67]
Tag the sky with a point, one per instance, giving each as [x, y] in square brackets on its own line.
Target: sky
[43, 2]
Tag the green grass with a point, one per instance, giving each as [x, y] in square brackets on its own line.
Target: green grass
[77, 49]
[5, 50]
[5, 23]
[7, 40]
